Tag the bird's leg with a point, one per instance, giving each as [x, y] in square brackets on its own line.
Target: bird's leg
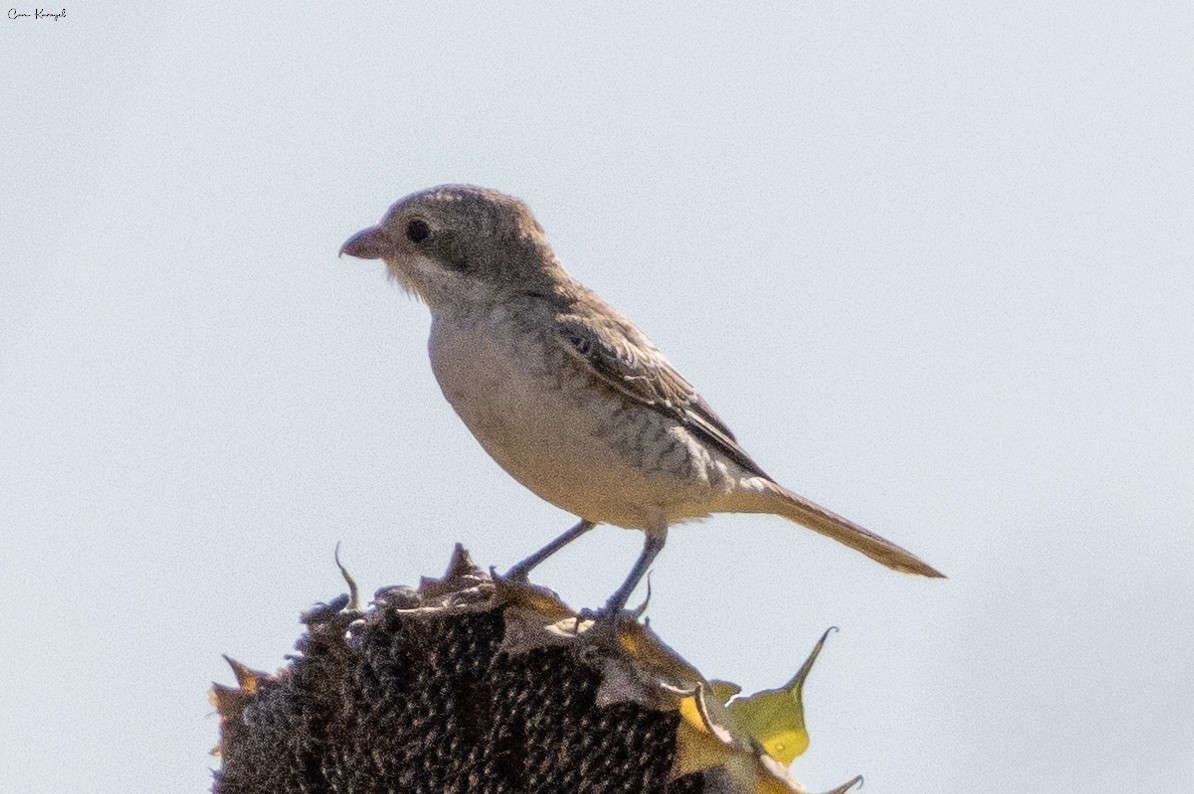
[520, 571]
[651, 548]
[604, 630]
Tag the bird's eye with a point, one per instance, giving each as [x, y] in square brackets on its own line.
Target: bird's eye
[417, 230]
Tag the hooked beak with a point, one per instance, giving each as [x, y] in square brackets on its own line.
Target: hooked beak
[366, 244]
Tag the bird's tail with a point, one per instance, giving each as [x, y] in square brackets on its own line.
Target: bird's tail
[782, 502]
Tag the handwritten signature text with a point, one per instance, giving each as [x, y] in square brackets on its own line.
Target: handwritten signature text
[38, 13]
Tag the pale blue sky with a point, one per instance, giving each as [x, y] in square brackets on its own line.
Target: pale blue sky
[932, 263]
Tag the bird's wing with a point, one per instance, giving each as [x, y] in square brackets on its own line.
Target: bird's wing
[617, 353]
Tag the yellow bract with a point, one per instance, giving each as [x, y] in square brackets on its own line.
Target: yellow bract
[775, 717]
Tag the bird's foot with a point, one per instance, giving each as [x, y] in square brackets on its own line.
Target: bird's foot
[605, 626]
[519, 573]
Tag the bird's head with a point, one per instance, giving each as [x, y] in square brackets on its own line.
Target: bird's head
[459, 243]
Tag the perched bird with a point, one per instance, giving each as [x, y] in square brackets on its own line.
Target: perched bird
[565, 393]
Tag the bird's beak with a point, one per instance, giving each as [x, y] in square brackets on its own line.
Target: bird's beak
[366, 244]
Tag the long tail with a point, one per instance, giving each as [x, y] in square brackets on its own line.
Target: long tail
[782, 502]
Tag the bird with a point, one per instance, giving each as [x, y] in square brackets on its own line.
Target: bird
[568, 395]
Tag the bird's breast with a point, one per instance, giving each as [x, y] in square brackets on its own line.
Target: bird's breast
[575, 443]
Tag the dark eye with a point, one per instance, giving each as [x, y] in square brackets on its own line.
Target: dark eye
[417, 230]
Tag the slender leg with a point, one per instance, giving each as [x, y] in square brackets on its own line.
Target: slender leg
[520, 571]
[651, 548]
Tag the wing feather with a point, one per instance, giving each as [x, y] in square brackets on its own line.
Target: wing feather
[619, 355]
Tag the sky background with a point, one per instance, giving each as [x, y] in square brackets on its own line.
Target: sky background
[931, 262]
